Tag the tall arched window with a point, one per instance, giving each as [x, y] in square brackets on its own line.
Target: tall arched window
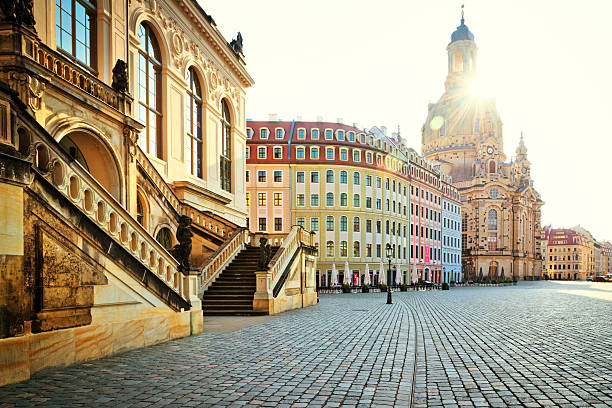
[492, 218]
[356, 251]
[330, 248]
[193, 124]
[141, 215]
[492, 166]
[225, 161]
[343, 177]
[149, 91]
[164, 237]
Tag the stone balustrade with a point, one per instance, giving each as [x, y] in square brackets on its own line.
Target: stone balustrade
[302, 266]
[209, 222]
[158, 181]
[67, 71]
[221, 258]
[82, 190]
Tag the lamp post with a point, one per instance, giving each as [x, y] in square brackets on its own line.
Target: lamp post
[389, 251]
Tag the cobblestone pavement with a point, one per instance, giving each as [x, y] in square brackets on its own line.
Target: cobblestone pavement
[536, 344]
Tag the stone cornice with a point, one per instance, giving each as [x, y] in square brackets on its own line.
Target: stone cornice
[218, 42]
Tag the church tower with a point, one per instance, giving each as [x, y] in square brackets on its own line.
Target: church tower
[462, 52]
[459, 123]
[500, 208]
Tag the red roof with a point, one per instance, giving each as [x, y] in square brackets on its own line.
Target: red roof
[561, 236]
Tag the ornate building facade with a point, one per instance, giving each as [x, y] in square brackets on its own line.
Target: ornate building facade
[501, 209]
[118, 121]
[358, 190]
[569, 254]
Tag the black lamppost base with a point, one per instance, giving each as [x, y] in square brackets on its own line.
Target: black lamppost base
[389, 296]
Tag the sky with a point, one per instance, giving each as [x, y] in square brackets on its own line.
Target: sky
[548, 63]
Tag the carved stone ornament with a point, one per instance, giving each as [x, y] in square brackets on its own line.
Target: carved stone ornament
[182, 250]
[131, 139]
[120, 76]
[19, 12]
[29, 88]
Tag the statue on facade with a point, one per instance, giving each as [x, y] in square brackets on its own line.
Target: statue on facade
[18, 11]
[182, 250]
[120, 76]
[236, 44]
[264, 254]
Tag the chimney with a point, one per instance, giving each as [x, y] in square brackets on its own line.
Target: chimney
[355, 125]
[339, 121]
[298, 118]
[273, 117]
[319, 118]
[383, 129]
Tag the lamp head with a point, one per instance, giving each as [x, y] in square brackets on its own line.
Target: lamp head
[389, 251]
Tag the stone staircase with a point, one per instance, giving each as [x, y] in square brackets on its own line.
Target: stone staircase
[231, 294]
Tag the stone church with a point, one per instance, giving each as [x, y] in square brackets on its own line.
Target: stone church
[501, 209]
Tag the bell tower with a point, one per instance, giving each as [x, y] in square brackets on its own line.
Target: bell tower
[462, 53]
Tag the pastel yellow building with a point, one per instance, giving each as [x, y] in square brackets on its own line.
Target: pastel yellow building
[569, 255]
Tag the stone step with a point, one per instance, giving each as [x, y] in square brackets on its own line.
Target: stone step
[233, 312]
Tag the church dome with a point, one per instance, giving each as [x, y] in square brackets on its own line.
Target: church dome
[462, 33]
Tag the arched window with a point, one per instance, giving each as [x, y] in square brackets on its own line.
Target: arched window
[329, 176]
[164, 237]
[492, 166]
[356, 224]
[343, 177]
[149, 91]
[194, 124]
[492, 218]
[343, 248]
[329, 199]
[356, 251]
[356, 200]
[330, 248]
[343, 199]
[356, 178]
[343, 223]
[140, 211]
[225, 161]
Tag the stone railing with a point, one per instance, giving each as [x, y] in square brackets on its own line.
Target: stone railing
[83, 191]
[275, 240]
[291, 256]
[67, 71]
[209, 222]
[296, 238]
[221, 258]
[158, 181]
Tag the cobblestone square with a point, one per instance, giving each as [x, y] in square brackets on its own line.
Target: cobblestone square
[535, 344]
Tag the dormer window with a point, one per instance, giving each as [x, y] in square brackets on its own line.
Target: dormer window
[314, 134]
[351, 136]
[280, 133]
[263, 133]
[340, 135]
[329, 135]
[301, 134]
[249, 133]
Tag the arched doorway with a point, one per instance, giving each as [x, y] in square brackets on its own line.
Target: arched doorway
[95, 157]
[493, 271]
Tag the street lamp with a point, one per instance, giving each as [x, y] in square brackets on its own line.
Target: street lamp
[389, 251]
